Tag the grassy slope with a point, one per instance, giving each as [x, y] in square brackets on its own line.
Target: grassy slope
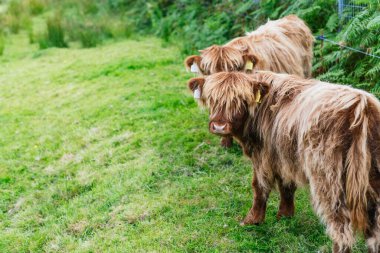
[104, 150]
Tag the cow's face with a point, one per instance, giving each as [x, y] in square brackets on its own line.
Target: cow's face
[216, 59]
[221, 124]
[231, 98]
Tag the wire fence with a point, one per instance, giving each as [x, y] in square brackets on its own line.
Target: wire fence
[347, 9]
[321, 37]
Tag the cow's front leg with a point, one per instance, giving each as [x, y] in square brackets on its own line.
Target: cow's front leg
[286, 208]
[226, 141]
[256, 214]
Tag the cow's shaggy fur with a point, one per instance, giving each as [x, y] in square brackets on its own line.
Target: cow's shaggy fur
[305, 131]
[282, 46]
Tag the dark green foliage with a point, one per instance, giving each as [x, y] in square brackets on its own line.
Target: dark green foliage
[2, 43]
[198, 24]
[91, 22]
[55, 36]
[341, 65]
[36, 7]
[15, 7]
[86, 21]
[16, 17]
[90, 35]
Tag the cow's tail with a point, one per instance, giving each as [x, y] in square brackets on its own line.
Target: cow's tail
[358, 165]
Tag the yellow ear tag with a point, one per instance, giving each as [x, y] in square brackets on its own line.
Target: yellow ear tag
[249, 65]
[258, 97]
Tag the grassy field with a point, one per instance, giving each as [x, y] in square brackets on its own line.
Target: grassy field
[105, 150]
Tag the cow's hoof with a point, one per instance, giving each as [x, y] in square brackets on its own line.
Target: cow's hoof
[286, 213]
[337, 249]
[252, 219]
[226, 142]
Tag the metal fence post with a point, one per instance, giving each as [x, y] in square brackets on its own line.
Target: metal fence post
[340, 9]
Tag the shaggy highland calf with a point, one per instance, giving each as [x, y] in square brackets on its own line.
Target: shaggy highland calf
[299, 131]
[281, 46]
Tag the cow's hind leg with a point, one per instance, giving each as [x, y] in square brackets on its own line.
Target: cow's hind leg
[372, 233]
[339, 228]
[256, 214]
[286, 208]
[328, 201]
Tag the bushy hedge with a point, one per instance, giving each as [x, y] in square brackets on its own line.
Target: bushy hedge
[87, 21]
[198, 24]
[194, 24]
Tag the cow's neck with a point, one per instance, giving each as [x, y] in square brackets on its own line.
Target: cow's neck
[260, 126]
[250, 138]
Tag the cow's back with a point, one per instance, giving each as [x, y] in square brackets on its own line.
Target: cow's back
[308, 122]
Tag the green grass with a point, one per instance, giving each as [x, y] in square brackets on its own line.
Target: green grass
[104, 150]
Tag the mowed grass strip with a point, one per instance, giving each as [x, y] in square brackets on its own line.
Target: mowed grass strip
[105, 150]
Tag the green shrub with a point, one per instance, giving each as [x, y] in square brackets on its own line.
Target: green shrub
[12, 18]
[2, 43]
[86, 21]
[55, 35]
[12, 23]
[16, 17]
[90, 35]
[31, 35]
[36, 7]
[15, 7]
[117, 28]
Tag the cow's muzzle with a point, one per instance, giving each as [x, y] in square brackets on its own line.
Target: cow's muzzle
[220, 128]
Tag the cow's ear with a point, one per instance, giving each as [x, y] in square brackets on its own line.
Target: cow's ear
[192, 63]
[196, 86]
[260, 90]
[250, 61]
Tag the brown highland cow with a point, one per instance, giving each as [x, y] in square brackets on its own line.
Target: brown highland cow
[281, 46]
[299, 131]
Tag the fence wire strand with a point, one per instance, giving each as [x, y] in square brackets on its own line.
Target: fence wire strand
[323, 38]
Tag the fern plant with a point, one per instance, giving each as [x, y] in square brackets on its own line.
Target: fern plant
[346, 66]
